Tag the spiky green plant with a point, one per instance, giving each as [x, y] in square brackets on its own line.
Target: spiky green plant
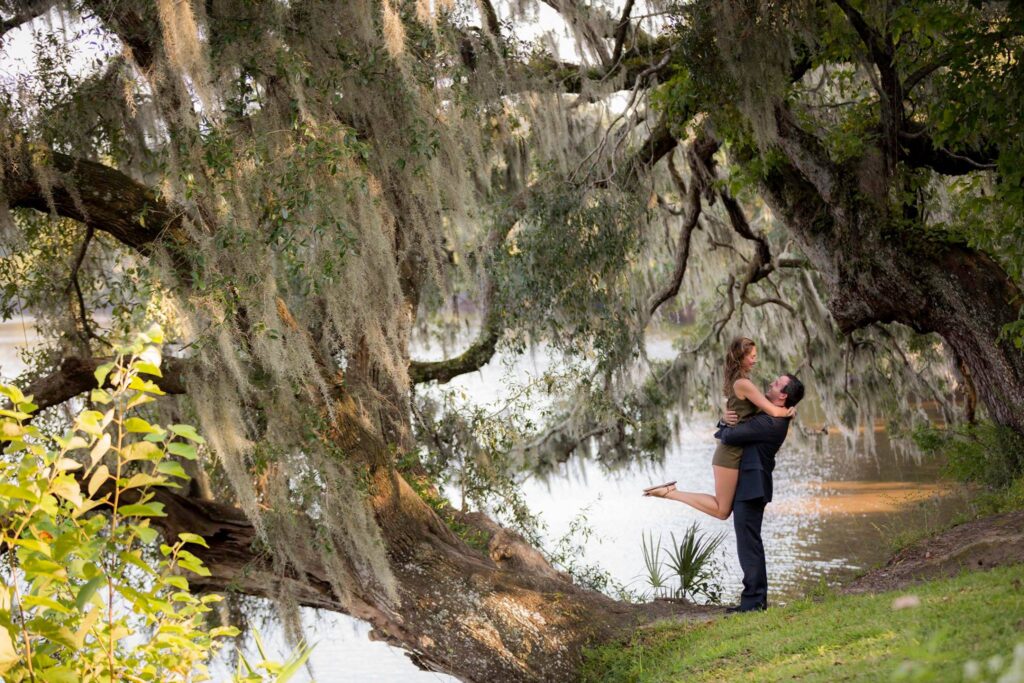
[692, 561]
[656, 577]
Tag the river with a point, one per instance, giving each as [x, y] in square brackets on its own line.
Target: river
[833, 511]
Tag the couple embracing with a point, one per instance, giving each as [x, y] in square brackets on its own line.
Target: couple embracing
[750, 434]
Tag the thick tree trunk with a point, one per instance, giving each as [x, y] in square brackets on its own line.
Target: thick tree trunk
[503, 615]
[877, 270]
[459, 612]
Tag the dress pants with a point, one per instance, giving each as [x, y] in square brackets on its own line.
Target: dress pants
[746, 518]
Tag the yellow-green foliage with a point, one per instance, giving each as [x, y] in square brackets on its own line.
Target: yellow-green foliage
[88, 592]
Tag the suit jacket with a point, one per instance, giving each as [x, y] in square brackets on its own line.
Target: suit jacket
[761, 437]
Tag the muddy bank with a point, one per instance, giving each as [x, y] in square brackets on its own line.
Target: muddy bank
[977, 545]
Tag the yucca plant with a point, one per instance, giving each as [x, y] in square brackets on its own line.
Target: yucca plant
[692, 561]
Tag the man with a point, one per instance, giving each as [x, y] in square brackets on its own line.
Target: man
[761, 437]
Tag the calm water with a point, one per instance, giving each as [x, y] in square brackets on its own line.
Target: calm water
[829, 519]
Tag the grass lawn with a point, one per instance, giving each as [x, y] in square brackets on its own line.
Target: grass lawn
[836, 638]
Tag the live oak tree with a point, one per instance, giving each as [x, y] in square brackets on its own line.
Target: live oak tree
[295, 190]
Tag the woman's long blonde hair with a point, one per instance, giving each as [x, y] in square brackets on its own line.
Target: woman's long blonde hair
[738, 350]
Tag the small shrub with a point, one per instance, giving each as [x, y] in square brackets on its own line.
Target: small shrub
[984, 453]
[692, 560]
[89, 593]
[566, 552]
[656, 576]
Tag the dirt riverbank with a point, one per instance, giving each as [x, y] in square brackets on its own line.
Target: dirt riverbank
[976, 545]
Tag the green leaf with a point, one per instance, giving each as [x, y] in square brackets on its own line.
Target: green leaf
[143, 510]
[73, 443]
[146, 534]
[154, 334]
[97, 479]
[188, 432]
[12, 491]
[181, 449]
[259, 643]
[89, 422]
[101, 373]
[87, 623]
[187, 560]
[99, 396]
[147, 368]
[172, 468]
[137, 425]
[44, 602]
[68, 489]
[193, 538]
[12, 392]
[59, 674]
[8, 655]
[11, 430]
[144, 385]
[37, 565]
[99, 449]
[67, 465]
[143, 479]
[33, 544]
[177, 581]
[224, 632]
[89, 589]
[140, 399]
[294, 663]
[142, 450]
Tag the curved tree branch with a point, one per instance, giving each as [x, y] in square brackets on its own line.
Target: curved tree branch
[699, 156]
[919, 151]
[621, 31]
[482, 350]
[593, 29]
[75, 376]
[101, 197]
[74, 284]
[26, 12]
[869, 36]
[490, 18]
[470, 360]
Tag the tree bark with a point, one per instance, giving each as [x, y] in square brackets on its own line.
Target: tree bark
[95, 195]
[877, 269]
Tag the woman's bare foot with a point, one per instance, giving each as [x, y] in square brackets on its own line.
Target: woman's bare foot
[661, 490]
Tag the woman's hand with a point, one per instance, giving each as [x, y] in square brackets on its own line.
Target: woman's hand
[778, 411]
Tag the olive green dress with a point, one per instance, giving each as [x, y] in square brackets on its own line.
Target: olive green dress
[729, 456]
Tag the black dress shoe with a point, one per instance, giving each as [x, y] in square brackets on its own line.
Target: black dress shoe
[736, 609]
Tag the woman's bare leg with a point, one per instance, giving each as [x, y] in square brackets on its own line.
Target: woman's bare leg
[718, 505]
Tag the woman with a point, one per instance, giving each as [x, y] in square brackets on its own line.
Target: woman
[745, 399]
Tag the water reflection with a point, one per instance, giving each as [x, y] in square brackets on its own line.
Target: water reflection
[828, 514]
[832, 511]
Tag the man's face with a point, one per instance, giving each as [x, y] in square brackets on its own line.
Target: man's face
[777, 390]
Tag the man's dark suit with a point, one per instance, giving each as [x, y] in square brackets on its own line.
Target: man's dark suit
[761, 437]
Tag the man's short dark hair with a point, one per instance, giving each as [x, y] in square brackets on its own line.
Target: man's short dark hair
[794, 391]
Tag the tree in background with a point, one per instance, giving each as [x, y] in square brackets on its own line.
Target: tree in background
[298, 190]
